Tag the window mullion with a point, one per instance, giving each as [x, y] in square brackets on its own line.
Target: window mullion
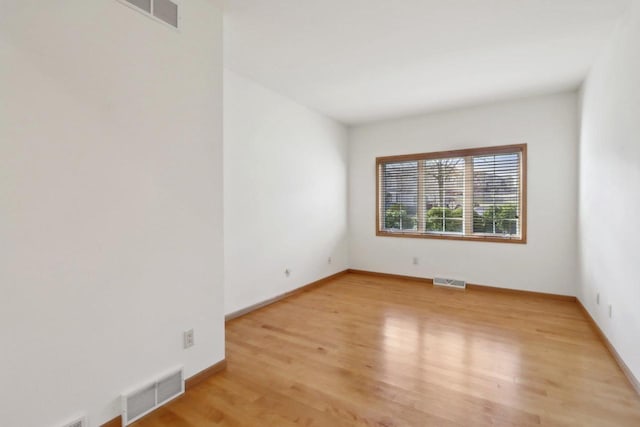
[421, 198]
[468, 196]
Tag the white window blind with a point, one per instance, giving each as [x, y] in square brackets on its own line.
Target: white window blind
[444, 195]
[400, 195]
[496, 194]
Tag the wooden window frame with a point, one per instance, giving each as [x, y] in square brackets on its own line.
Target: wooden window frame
[502, 149]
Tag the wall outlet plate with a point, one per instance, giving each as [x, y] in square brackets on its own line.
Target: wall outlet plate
[189, 338]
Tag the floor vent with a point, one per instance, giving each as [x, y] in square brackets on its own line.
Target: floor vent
[450, 283]
[79, 422]
[152, 395]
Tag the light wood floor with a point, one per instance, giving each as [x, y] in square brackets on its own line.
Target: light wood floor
[370, 351]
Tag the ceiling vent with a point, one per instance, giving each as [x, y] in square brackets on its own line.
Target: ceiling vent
[165, 11]
[450, 283]
[152, 395]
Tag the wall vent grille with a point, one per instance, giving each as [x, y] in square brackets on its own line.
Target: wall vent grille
[145, 5]
[78, 422]
[450, 283]
[165, 11]
[152, 395]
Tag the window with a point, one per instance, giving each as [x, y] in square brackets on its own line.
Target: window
[477, 194]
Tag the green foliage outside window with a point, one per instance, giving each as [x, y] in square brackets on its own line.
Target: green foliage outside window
[444, 220]
[396, 217]
[439, 219]
[504, 216]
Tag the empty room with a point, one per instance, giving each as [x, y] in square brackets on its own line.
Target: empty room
[319, 213]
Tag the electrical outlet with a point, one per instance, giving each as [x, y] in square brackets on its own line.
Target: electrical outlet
[610, 311]
[329, 260]
[189, 338]
[415, 260]
[287, 272]
[598, 298]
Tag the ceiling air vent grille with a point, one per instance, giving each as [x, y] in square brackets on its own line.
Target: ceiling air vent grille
[152, 395]
[165, 11]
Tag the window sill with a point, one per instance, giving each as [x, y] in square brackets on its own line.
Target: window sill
[492, 239]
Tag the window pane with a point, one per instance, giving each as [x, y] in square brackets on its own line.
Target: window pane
[496, 194]
[399, 195]
[444, 195]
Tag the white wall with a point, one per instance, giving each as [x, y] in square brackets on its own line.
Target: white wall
[285, 194]
[547, 263]
[110, 203]
[609, 229]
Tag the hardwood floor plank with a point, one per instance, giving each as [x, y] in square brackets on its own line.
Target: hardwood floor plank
[377, 351]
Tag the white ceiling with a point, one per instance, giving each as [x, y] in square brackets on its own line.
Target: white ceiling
[364, 60]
